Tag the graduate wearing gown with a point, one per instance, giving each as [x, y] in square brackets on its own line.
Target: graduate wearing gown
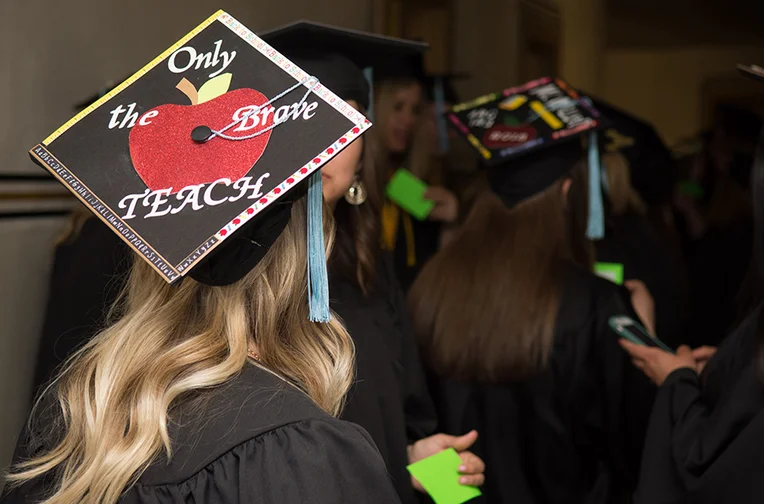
[193, 396]
[706, 432]
[389, 398]
[516, 330]
[287, 451]
[631, 240]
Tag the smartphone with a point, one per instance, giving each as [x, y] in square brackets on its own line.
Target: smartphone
[628, 328]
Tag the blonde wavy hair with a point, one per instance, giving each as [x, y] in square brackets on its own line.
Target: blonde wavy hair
[170, 344]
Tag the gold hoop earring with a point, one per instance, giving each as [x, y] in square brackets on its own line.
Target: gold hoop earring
[356, 195]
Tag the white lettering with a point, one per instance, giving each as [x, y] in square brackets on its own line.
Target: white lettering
[129, 202]
[243, 185]
[114, 121]
[174, 68]
[192, 198]
[309, 112]
[155, 199]
[209, 59]
[248, 116]
[144, 121]
[282, 114]
[208, 193]
[546, 92]
[130, 117]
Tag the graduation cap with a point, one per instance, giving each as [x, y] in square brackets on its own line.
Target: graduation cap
[196, 159]
[651, 162]
[346, 60]
[754, 72]
[529, 136]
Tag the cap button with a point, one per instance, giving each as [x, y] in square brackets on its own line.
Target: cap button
[201, 134]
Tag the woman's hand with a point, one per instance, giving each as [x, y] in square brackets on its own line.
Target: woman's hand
[472, 467]
[446, 207]
[643, 303]
[702, 356]
[657, 364]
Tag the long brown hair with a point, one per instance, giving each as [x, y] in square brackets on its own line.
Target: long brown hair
[485, 306]
[172, 344]
[357, 245]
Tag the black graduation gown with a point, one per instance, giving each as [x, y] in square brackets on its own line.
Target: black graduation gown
[257, 439]
[572, 433]
[426, 238]
[705, 441]
[87, 276]
[389, 397]
[632, 241]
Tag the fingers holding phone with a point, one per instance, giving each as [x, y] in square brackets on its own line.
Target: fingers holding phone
[656, 363]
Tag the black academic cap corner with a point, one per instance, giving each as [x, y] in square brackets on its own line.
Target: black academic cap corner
[754, 72]
[651, 162]
[363, 48]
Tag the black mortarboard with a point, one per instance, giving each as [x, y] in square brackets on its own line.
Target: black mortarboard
[651, 163]
[338, 56]
[529, 136]
[194, 160]
[752, 72]
[447, 81]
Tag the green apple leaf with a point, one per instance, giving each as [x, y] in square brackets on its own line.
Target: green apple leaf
[214, 87]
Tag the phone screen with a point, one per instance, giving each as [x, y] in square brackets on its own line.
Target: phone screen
[628, 328]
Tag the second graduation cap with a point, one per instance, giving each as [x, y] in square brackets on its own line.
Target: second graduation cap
[530, 136]
[202, 149]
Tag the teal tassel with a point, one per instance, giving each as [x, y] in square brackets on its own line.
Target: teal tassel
[595, 228]
[440, 110]
[318, 281]
[368, 74]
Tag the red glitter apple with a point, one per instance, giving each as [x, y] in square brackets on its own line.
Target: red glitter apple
[164, 154]
[502, 136]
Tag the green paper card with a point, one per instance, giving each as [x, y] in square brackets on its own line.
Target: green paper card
[610, 271]
[691, 188]
[439, 475]
[407, 191]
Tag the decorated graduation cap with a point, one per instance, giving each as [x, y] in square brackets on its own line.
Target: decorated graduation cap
[529, 136]
[345, 60]
[196, 159]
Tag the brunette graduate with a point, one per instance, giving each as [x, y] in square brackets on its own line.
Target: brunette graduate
[514, 325]
[222, 379]
[389, 397]
[706, 433]
[404, 142]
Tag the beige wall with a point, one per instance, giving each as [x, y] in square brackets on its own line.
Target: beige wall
[666, 86]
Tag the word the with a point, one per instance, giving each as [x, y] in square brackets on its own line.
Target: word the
[130, 117]
[206, 60]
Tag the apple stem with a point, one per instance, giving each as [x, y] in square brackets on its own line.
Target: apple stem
[189, 90]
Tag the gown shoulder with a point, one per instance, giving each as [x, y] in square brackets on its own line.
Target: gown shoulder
[258, 439]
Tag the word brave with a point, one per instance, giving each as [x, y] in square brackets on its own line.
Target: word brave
[206, 60]
[196, 197]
